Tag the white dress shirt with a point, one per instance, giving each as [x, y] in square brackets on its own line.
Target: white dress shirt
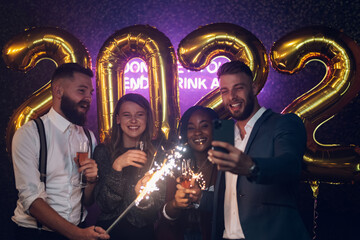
[232, 220]
[62, 143]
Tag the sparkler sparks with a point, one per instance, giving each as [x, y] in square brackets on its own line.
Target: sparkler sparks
[170, 163]
[188, 175]
[199, 178]
[157, 173]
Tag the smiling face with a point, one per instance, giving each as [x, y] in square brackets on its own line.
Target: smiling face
[238, 95]
[76, 95]
[132, 120]
[199, 131]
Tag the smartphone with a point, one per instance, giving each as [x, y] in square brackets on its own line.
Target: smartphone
[223, 130]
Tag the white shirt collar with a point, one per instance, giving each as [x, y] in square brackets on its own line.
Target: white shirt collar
[252, 121]
[59, 121]
[250, 124]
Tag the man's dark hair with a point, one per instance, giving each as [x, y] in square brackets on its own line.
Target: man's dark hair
[234, 67]
[68, 70]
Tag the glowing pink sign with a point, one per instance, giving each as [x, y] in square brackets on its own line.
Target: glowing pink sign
[192, 85]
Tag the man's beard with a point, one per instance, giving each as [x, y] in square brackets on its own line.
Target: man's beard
[69, 108]
[248, 109]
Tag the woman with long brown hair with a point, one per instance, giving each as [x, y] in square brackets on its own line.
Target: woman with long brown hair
[123, 161]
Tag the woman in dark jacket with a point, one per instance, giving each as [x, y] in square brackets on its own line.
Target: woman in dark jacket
[123, 161]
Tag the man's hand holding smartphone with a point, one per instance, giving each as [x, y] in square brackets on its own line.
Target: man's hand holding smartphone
[224, 154]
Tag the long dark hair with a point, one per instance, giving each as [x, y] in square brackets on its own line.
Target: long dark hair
[116, 140]
[184, 121]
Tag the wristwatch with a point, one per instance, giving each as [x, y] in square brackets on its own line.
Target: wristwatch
[253, 170]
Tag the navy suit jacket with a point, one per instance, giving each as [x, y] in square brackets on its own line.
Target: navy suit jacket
[267, 205]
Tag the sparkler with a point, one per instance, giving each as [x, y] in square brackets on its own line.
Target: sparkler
[199, 178]
[187, 176]
[157, 173]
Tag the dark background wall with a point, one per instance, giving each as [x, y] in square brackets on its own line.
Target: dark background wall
[93, 21]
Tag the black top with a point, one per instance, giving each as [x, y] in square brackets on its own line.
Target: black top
[115, 191]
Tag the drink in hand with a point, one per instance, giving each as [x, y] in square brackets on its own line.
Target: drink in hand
[185, 178]
[80, 157]
[185, 181]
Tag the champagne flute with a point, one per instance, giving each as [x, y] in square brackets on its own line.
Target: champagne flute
[185, 179]
[81, 154]
[139, 146]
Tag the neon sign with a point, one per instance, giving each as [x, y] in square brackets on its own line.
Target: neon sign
[192, 85]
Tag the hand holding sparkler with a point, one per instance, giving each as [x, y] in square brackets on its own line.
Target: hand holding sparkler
[141, 183]
[158, 173]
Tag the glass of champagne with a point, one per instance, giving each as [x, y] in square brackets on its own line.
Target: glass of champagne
[185, 179]
[81, 154]
[140, 146]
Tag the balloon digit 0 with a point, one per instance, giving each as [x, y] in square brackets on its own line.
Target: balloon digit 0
[156, 50]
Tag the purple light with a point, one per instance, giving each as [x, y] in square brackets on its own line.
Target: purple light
[192, 85]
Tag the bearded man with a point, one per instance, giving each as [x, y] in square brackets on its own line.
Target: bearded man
[53, 209]
[256, 191]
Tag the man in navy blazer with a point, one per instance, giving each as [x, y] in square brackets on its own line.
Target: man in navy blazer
[256, 191]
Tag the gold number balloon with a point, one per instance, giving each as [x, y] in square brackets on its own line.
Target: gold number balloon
[156, 50]
[198, 48]
[341, 56]
[339, 53]
[24, 51]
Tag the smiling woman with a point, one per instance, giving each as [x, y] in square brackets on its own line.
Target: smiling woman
[123, 161]
[180, 220]
[132, 119]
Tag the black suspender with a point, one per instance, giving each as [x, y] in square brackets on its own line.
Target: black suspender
[43, 150]
[42, 156]
[43, 159]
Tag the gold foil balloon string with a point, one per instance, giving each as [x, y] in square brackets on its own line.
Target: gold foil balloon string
[315, 191]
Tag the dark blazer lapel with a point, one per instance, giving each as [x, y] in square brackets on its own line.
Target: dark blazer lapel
[257, 125]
